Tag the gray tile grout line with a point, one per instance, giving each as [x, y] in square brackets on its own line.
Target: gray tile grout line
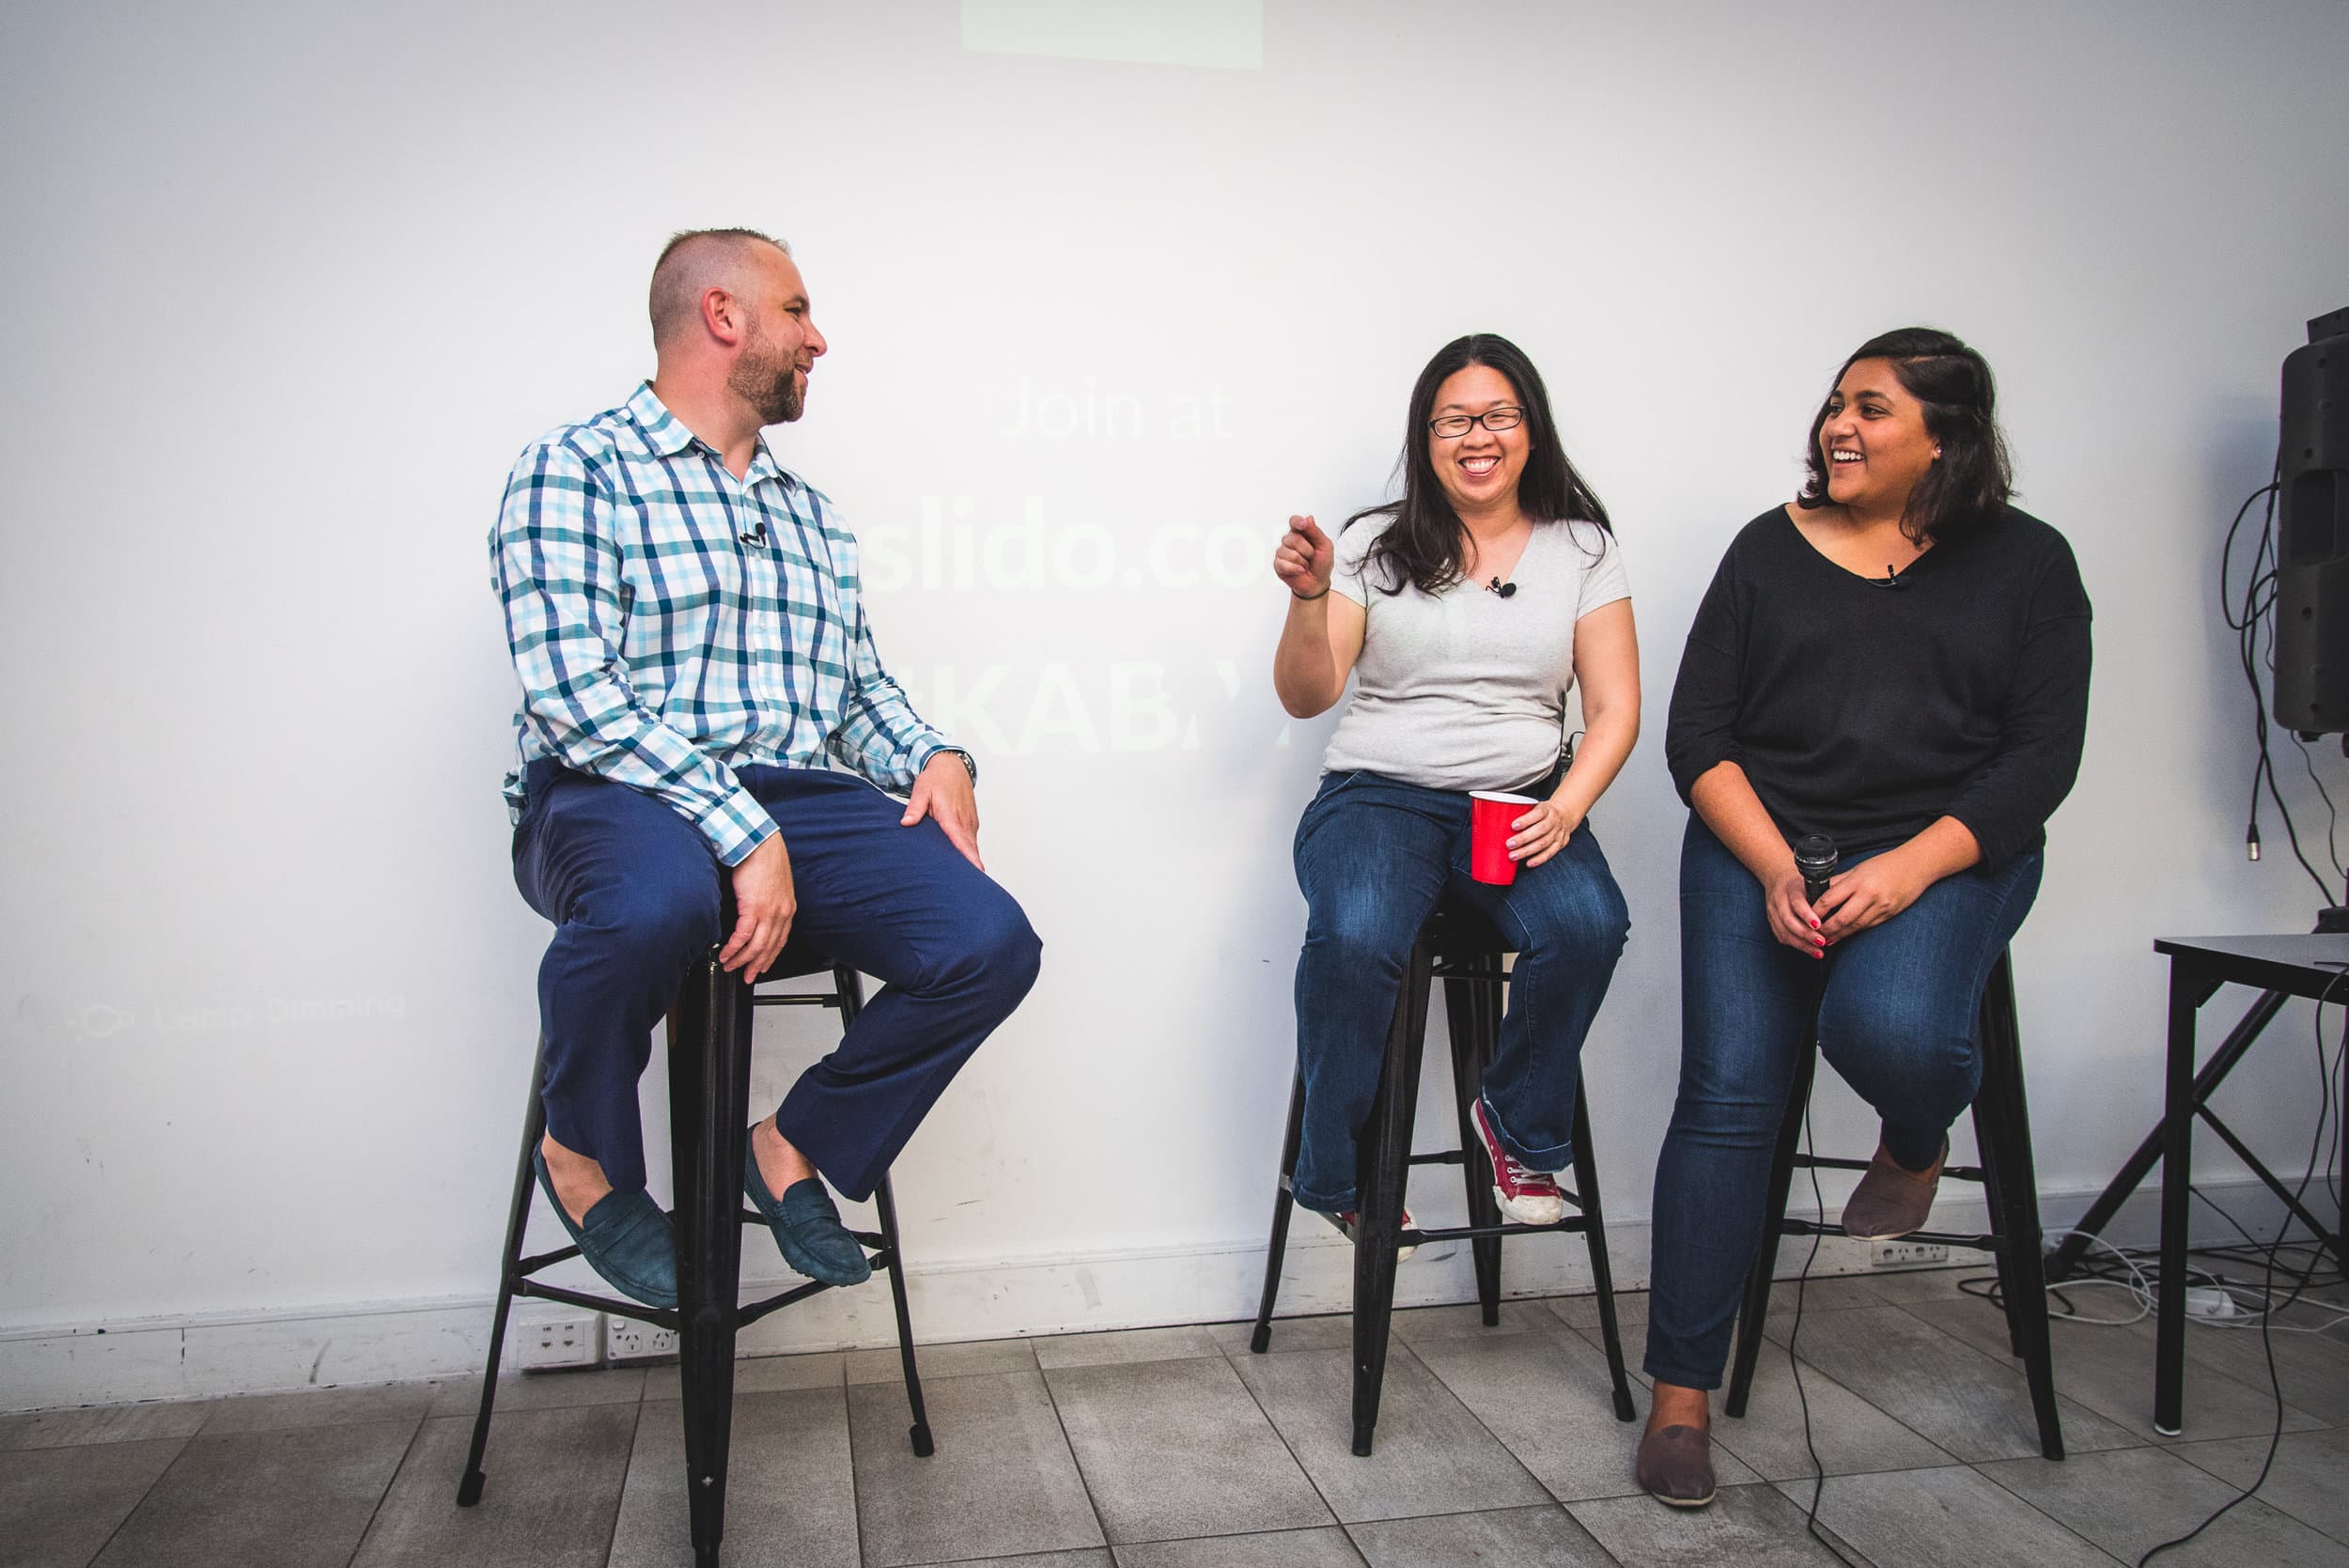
[1960, 1465]
[2042, 1512]
[1282, 1438]
[1496, 1436]
[389, 1482]
[1290, 1449]
[1083, 1483]
[2203, 1370]
[2009, 1366]
[1232, 1535]
[2173, 1449]
[847, 1440]
[635, 1435]
[141, 1502]
[1814, 1368]
[1394, 1343]
[1821, 1371]
[1553, 1505]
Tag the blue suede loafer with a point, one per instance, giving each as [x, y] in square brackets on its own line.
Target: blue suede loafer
[626, 1239]
[807, 1228]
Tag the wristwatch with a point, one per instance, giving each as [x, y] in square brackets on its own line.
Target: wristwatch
[968, 765]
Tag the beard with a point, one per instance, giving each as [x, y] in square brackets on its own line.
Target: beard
[769, 381]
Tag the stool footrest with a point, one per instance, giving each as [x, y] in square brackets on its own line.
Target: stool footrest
[1827, 1162]
[1979, 1241]
[1441, 1156]
[751, 1312]
[1569, 1225]
[659, 1317]
[809, 1000]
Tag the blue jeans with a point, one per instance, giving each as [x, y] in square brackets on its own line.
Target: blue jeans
[1373, 857]
[634, 895]
[1896, 1020]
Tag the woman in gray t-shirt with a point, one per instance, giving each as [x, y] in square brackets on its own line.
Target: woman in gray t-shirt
[1465, 612]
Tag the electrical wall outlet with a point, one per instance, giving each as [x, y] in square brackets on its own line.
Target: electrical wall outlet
[627, 1339]
[558, 1336]
[1906, 1254]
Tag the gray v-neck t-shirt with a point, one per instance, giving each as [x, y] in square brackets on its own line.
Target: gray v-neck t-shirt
[1464, 689]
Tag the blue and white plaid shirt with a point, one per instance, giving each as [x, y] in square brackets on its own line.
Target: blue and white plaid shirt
[670, 622]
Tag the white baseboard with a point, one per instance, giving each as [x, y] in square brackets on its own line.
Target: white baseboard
[43, 1368]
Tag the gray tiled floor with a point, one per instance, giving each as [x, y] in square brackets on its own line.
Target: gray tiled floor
[1174, 1448]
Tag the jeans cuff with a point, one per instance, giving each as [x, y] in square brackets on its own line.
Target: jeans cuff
[1314, 1201]
[1550, 1160]
[1680, 1377]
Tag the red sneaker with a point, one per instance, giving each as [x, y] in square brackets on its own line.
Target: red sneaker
[1527, 1197]
[1345, 1222]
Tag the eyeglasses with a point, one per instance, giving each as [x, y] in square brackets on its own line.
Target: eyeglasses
[1452, 425]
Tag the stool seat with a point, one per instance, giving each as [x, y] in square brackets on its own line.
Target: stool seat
[800, 958]
[1458, 945]
[1458, 927]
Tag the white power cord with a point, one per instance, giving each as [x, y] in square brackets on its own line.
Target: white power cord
[2212, 1300]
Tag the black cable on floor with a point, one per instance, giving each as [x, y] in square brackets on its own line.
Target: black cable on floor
[1818, 1467]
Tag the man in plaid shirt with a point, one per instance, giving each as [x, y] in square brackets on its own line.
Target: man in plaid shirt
[688, 622]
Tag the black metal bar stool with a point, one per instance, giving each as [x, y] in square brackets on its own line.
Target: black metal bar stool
[710, 1088]
[1460, 947]
[2010, 1182]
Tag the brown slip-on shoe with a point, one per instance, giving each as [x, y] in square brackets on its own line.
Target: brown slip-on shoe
[1675, 1466]
[1890, 1202]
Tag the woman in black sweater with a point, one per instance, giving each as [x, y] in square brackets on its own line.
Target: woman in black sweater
[1897, 660]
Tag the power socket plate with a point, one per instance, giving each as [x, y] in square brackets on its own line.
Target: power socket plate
[558, 1336]
[627, 1339]
[1906, 1254]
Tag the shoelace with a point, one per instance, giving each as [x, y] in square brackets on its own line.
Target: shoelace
[1518, 1176]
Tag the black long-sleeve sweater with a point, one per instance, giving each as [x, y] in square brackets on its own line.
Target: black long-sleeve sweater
[1865, 712]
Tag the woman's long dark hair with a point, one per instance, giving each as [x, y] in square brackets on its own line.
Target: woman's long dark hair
[1970, 483]
[1421, 544]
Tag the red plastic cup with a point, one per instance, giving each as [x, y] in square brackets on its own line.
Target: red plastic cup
[1490, 813]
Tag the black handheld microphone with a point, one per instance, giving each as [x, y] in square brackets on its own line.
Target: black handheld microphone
[1815, 857]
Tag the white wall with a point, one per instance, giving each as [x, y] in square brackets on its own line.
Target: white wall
[285, 287]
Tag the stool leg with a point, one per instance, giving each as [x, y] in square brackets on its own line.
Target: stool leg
[1380, 1175]
[517, 1221]
[709, 1091]
[1756, 1308]
[2016, 1214]
[1284, 1201]
[919, 1433]
[851, 990]
[1594, 1232]
[1988, 1137]
[1471, 1007]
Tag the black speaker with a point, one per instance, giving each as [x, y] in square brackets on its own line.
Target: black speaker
[2313, 546]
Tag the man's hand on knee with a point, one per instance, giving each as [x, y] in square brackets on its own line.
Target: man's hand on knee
[764, 904]
[942, 791]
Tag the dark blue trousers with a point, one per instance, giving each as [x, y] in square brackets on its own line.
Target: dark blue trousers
[635, 894]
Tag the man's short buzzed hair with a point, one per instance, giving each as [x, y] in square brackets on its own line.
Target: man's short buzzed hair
[695, 260]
